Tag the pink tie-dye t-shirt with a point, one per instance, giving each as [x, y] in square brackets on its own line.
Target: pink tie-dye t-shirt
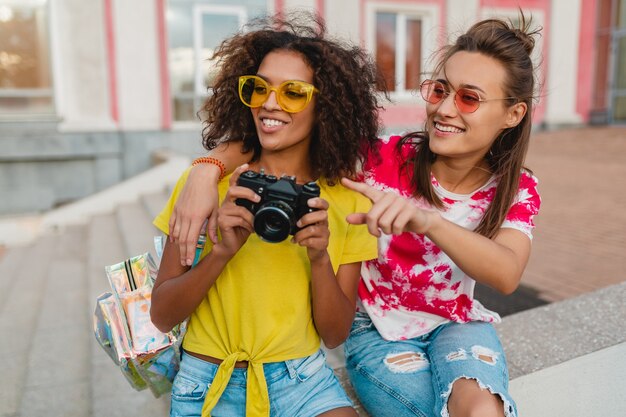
[413, 286]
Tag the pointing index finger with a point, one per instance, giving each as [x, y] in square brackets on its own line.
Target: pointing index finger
[368, 191]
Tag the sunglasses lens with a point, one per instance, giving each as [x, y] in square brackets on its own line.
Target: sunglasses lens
[253, 91]
[294, 96]
[467, 100]
[432, 91]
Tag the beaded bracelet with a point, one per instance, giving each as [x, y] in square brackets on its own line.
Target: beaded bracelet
[213, 161]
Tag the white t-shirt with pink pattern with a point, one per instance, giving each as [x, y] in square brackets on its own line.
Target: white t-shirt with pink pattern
[414, 286]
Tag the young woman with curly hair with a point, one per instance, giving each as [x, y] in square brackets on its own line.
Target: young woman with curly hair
[258, 305]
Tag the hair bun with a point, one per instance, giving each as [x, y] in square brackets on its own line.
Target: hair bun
[527, 40]
[525, 33]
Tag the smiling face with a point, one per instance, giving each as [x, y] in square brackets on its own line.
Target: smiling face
[467, 137]
[278, 130]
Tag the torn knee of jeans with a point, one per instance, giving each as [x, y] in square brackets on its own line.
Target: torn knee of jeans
[509, 409]
[459, 355]
[485, 355]
[406, 362]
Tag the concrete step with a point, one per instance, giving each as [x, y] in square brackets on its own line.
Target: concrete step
[57, 371]
[111, 395]
[10, 263]
[549, 335]
[18, 320]
[590, 385]
[154, 203]
[137, 231]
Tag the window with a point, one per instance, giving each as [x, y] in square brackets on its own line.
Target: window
[401, 37]
[398, 50]
[25, 79]
[195, 29]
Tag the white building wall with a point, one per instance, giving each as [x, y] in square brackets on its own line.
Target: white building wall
[342, 19]
[562, 76]
[299, 4]
[461, 14]
[79, 65]
[137, 61]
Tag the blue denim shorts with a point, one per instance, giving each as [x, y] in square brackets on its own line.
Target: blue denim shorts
[299, 387]
[414, 377]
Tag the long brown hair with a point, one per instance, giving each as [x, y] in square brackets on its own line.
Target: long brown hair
[347, 108]
[512, 47]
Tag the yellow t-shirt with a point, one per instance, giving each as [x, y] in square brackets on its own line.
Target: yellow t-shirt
[259, 309]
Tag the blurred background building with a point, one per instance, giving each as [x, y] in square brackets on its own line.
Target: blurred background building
[90, 88]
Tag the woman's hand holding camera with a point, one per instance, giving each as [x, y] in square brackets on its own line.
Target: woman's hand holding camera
[235, 222]
[314, 233]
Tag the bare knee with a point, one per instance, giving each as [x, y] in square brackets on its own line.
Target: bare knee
[468, 399]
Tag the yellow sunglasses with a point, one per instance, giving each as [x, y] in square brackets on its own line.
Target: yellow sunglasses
[292, 96]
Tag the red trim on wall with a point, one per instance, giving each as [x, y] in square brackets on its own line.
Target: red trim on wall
[402, 116]
[279, 7]
[321, 8]
[164, 76]
[586, 47]
[112, 63]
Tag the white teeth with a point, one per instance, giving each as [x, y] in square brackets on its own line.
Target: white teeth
[272, 122]
[450, 129]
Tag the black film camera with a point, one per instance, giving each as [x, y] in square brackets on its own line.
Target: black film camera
[282, 203]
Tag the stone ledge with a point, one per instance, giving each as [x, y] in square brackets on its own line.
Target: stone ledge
[546, 336]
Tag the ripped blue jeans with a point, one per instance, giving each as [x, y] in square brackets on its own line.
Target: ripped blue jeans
[414, 377]
[298, 387]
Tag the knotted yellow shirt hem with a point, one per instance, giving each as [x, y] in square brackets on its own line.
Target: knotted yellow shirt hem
[257, 397]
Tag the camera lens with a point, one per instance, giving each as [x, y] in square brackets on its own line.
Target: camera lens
[273, 221]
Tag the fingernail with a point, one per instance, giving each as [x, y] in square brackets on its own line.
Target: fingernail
[189, 262]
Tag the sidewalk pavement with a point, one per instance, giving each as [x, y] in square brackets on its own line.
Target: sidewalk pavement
[580, 240]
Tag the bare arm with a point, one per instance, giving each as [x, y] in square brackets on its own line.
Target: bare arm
[198, 201]
[333, 297]
[498, 263]
[179, 290]
[334, 300]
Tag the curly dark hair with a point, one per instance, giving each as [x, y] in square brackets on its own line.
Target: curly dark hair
[347, 123]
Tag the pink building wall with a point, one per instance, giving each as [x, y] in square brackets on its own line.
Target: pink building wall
[586, 46]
